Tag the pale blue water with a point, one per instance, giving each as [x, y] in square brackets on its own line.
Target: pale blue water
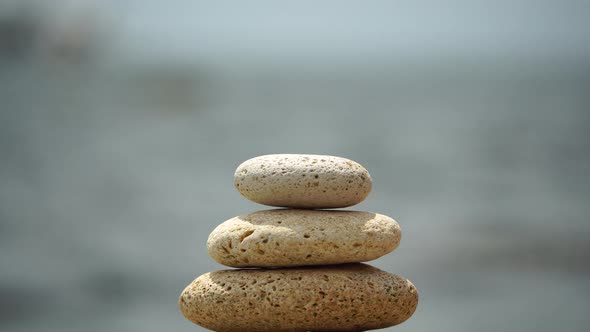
[111, 179]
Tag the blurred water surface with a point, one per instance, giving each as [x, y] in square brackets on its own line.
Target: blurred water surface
[117, 163]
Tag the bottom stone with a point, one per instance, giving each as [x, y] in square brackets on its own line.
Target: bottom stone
[350, 297]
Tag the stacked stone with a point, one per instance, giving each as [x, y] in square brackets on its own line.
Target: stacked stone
[301, 266]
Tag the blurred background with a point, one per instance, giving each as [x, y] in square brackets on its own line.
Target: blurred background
[121, 123]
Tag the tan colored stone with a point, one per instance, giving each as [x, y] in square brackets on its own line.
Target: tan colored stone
[352, 297]
[303, 181]
[285, 237]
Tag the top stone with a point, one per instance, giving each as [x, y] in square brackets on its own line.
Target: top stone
[303, 181]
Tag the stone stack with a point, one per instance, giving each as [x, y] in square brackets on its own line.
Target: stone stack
[300, 266]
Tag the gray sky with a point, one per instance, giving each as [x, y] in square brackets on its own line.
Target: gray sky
[333, 30]
[351, 29]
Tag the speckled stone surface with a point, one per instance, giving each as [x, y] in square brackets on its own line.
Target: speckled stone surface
[352, 297]
[303, 181]
[285, 237]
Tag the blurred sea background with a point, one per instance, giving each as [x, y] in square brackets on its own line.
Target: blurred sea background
[121, 123]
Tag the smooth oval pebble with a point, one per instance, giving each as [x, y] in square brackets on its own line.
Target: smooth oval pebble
[285, 237]
[352, 297]
[303, 181]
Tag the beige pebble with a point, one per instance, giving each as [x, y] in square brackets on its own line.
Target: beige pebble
[303, 181]
[352, 297]
[285, 237]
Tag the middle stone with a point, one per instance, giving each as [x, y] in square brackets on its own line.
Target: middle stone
[285, 237]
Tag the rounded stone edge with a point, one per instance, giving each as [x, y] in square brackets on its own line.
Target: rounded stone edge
[404, 292]
[239, 243]
[367, 184]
